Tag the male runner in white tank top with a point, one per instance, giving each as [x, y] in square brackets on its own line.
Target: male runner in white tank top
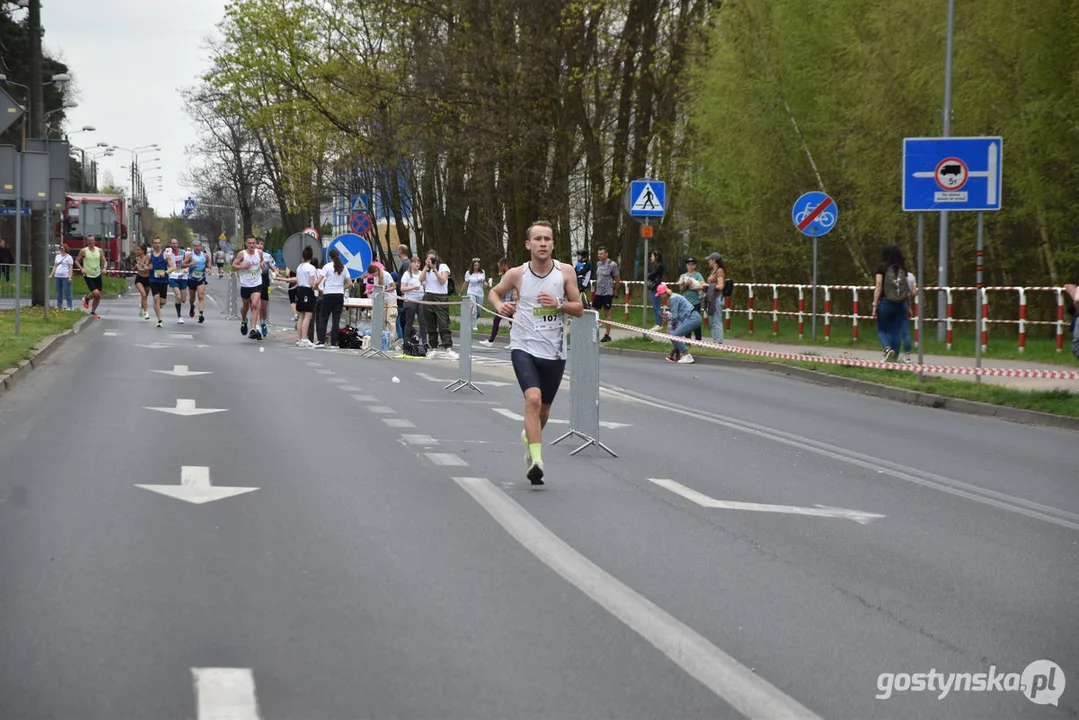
[546, 293]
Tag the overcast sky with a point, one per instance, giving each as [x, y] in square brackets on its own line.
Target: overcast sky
[129, 60]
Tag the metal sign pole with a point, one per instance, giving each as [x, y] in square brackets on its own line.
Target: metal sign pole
[646, 234]
[978, 319]
[814, 288]
[921, 294]
[18, 238]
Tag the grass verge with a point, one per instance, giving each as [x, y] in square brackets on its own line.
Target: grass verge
[32, 329]
[1057, 402]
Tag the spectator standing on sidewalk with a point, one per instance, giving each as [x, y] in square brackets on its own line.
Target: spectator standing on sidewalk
[717, 283]
[412, 289]
[435, 277]
[655, 278]
[474, 280]
[682, 320]
[584, 275]
[890, 296]
[404, 264]
[61, 271]
[608, 284]
[7, 261]
[503, 267]
[692, 282]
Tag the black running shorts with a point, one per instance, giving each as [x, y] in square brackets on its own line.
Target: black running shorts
[247, 292]
[93, 283]
[602, 302]
[534, 372]
[160, 289]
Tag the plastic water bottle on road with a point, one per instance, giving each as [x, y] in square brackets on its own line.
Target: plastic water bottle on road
[385, 339]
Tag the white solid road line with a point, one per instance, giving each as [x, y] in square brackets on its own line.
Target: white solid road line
[225, 694]
[748, 693]
[182, 371]
[818, 511]
[398, 423]
[520, 418]
[446, 459]
[111, 333]
[313, 364]
[195, 487]
[182, 336]
[186, 408]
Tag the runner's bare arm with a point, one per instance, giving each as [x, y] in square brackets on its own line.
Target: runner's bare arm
[510, 281]
[237, 260]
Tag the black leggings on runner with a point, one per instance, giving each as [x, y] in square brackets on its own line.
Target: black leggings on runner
[542, 373]
[332, 304]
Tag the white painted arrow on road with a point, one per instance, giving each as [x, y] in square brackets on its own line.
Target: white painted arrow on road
[187, 408]
[225, 694]
[153, 346]
[826, 511]
[182, 371]
[195, 487]
[520, 418]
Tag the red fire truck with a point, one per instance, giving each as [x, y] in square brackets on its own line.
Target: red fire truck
[98, 215]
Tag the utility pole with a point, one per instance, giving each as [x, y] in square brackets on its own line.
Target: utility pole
[38, 232]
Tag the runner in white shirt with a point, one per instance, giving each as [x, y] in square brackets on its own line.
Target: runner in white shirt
[177, 276]
[249, 263]
[546, 293]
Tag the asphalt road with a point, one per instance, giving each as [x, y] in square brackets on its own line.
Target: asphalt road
[760, 547]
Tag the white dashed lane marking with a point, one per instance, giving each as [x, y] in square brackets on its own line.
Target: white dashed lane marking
[447, 459]
[398, 422]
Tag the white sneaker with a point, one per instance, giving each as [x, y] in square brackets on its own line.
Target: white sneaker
[179, 321]
[452, 355]
[432, 354]
[686, 359]
[486, 343]
[657, 328]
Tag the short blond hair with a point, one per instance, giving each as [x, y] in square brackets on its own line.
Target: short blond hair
[538, 223]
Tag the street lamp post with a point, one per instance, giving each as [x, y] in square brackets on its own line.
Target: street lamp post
[134, 196]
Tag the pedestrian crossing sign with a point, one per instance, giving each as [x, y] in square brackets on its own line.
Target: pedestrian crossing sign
[648, 198]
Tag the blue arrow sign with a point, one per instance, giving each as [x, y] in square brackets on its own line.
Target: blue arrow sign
[814, 214]
[952, 173]
[355, 253]
[647, 198]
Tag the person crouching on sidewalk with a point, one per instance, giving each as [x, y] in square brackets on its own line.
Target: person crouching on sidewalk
[682, 320]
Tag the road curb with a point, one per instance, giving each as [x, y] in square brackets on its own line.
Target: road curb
[44, 348]
[886, 392]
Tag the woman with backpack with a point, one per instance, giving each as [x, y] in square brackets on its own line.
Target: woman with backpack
[890, 297]
[718, 289]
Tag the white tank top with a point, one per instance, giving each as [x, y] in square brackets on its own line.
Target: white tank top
[540, 331]
[250, 272]
[178, 258]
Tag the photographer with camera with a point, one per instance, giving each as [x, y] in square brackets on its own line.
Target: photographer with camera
[435, 278]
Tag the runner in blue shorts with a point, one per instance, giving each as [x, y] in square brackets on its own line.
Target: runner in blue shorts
[195, 263]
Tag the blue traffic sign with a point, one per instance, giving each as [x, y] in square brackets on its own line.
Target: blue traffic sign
[361, 223]
[355, 253]
[647, 198]
[10, 210]
[952, 173]
[359, 204]
[814, 214]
